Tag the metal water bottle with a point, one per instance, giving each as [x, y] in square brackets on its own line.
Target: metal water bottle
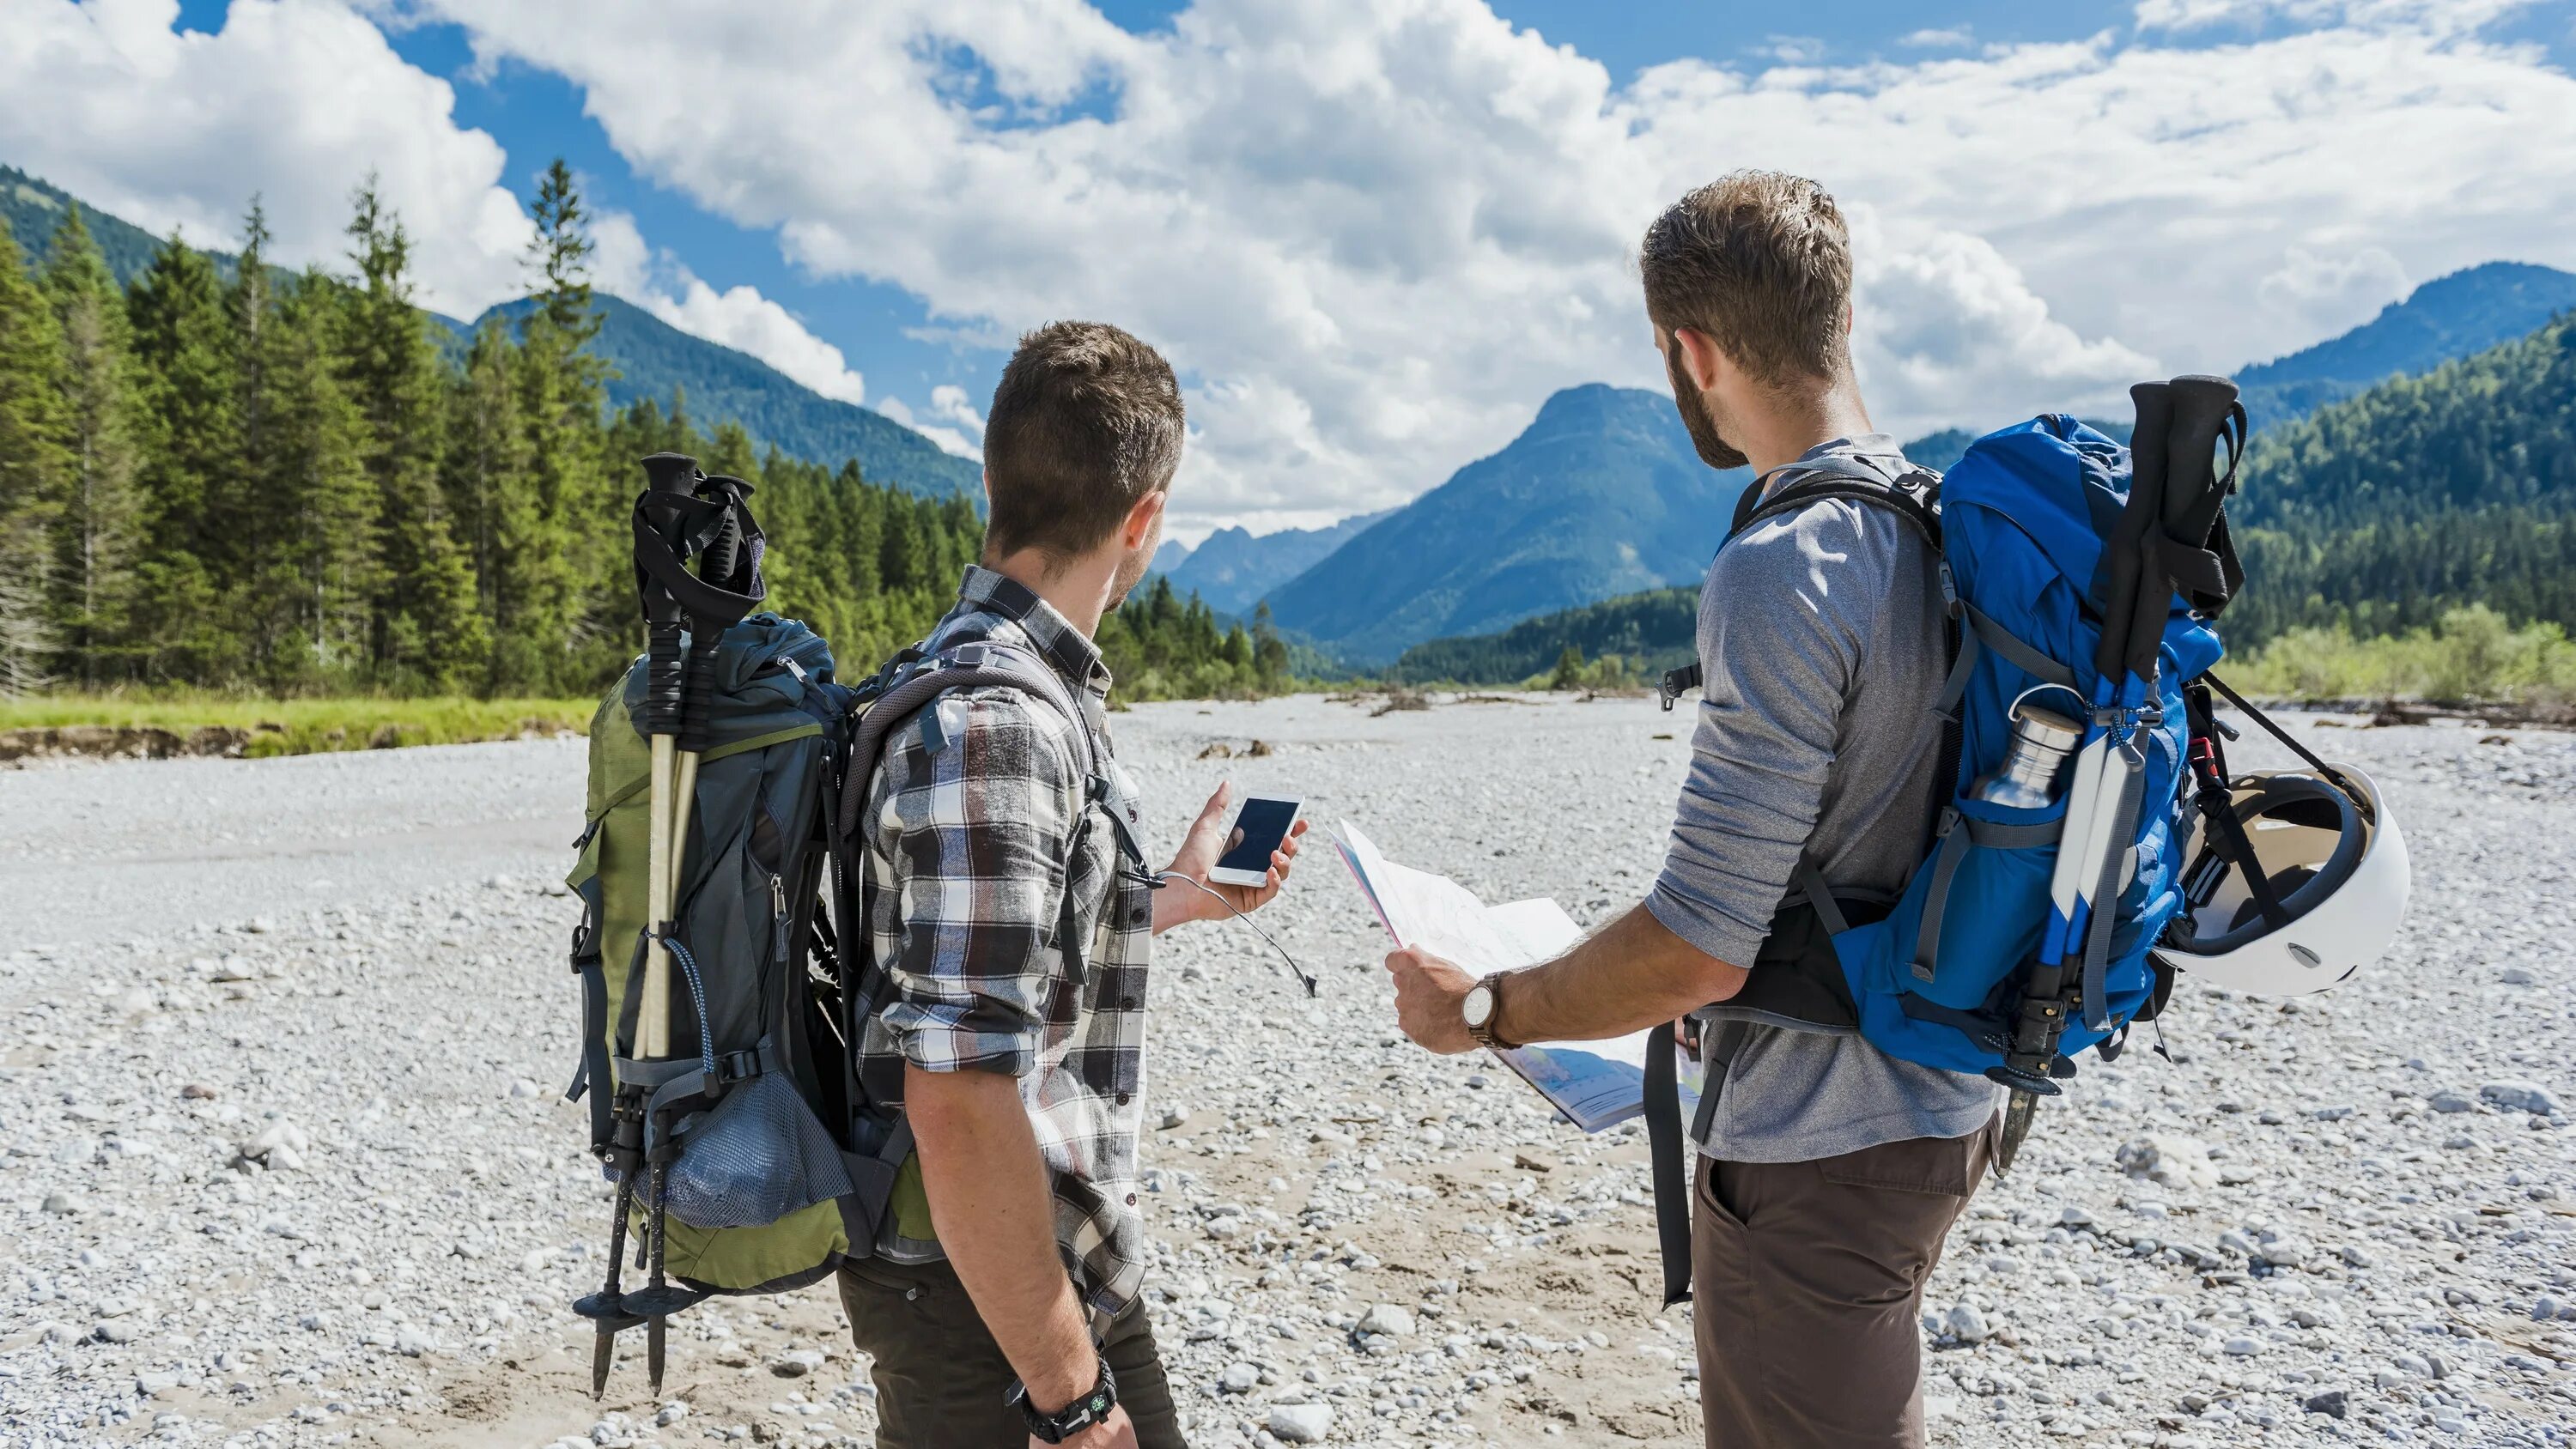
[2043, 741]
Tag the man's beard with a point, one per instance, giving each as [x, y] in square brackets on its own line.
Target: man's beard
[1131, 571]
[1713, 450]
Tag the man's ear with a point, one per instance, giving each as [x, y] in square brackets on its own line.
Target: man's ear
[1847, 319]
[1139, 525]
[1702, 362]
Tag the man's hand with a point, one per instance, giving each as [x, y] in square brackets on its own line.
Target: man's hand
[1114, 1432]
[1430, 1000]
[1208, 839]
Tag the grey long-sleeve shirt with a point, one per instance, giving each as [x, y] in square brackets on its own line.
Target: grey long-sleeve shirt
[1820, 647]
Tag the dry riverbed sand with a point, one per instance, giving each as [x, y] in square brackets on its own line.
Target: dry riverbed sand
[284, 1160]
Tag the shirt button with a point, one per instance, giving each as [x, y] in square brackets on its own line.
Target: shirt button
[1127, 1003]
[1131, 1199]
[1122, 1099]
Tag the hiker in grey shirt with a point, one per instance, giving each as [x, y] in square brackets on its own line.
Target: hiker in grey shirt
[1828, 1173]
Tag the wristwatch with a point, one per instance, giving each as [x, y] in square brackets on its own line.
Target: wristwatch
[1073, 1418]
[1483, 1007]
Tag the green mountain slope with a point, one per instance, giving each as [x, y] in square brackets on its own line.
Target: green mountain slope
[717, 384]
[2378, 515]
[1601, 495]
[1657, 628]
[2448, 317]
[653, 359]
[2419, 495]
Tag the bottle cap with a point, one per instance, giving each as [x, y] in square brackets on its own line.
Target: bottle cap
[2046, 727]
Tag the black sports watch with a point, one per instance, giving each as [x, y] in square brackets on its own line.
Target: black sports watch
[1073, 1418]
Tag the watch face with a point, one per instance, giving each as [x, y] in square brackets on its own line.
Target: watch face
[1479, 1005]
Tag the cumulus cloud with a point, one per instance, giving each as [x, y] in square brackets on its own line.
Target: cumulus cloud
[1374, 234]
[2314, 293]
[295, 100]
[298, 101]
[1950, 38]
[945, 402]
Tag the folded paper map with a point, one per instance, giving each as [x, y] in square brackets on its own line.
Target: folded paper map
[1596, 1084]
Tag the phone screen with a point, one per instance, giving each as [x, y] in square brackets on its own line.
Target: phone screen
[1264, 824]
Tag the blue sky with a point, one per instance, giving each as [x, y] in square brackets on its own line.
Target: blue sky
[1373, 234]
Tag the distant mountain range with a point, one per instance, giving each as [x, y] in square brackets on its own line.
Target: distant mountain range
[653, 359]
[2466, 312]
[1482, 546]
[1231, 568]
[2377, 513]
[1600, 495]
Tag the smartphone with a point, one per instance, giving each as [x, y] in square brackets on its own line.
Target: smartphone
[1265, 823]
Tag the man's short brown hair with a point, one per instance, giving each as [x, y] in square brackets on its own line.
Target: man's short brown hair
[1086, 422]
[1760, 262]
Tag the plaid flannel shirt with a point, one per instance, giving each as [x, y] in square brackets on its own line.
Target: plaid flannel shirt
[986, 856]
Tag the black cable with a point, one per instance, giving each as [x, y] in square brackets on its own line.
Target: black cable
[1158, 879]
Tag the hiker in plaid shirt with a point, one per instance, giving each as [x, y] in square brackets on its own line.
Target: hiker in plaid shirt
[1016, 936]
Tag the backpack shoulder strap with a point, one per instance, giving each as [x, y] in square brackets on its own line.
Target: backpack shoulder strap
[1911, 492]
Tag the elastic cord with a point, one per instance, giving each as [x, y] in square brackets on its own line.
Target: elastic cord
[1159, 879]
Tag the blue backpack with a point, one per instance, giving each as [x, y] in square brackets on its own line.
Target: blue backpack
[2026, 528]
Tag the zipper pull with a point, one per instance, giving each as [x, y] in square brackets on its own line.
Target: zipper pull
[778, 918]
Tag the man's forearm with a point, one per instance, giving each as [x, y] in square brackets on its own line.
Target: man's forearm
[996, 1219]
[1630, 974]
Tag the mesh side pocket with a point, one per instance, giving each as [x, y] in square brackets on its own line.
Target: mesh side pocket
[757, 1157]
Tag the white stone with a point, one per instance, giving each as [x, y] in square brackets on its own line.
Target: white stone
[2171, 1160]
[1389, 1319]
[1238, 1378]
[1966, 1324]
[1300, 1423]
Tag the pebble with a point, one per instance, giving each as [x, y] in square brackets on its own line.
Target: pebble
[1300, 1423]
[2171, 1160]
[2447, 1100]
[1514, 1245]
[1966, 1323]
[1389, 1319]
[2521, 1097]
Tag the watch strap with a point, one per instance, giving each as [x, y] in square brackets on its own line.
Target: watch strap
[1487, 1035]
[1089, 1408]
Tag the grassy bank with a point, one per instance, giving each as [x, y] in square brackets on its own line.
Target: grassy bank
[209, 724]
[2472, 656]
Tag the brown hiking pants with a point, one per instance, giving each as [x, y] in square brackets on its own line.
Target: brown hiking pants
[1807, 1284]
[940, 1377]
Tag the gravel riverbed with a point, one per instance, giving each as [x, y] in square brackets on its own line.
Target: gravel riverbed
[282, 1159]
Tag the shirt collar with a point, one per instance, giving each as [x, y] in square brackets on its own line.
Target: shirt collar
[1073, 654]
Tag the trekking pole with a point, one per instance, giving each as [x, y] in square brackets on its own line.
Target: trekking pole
[682, 514]
[2084, 841]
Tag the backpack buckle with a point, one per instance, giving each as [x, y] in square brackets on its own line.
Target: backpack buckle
[1949, 590]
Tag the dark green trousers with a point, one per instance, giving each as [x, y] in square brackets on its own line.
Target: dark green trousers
[940, 1377]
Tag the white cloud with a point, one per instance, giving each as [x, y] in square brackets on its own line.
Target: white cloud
[1375, 233]
[949, 439]
[2328, 294]
[296, 100]
[741, 318]
[1951, 38]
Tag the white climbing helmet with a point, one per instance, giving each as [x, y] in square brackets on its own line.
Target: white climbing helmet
[2329, 849]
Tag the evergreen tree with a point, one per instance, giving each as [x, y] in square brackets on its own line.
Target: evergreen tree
[35, 464]
[426, 625]
[189, 391]
[311, 600]
[562, 541]
[95, 542]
